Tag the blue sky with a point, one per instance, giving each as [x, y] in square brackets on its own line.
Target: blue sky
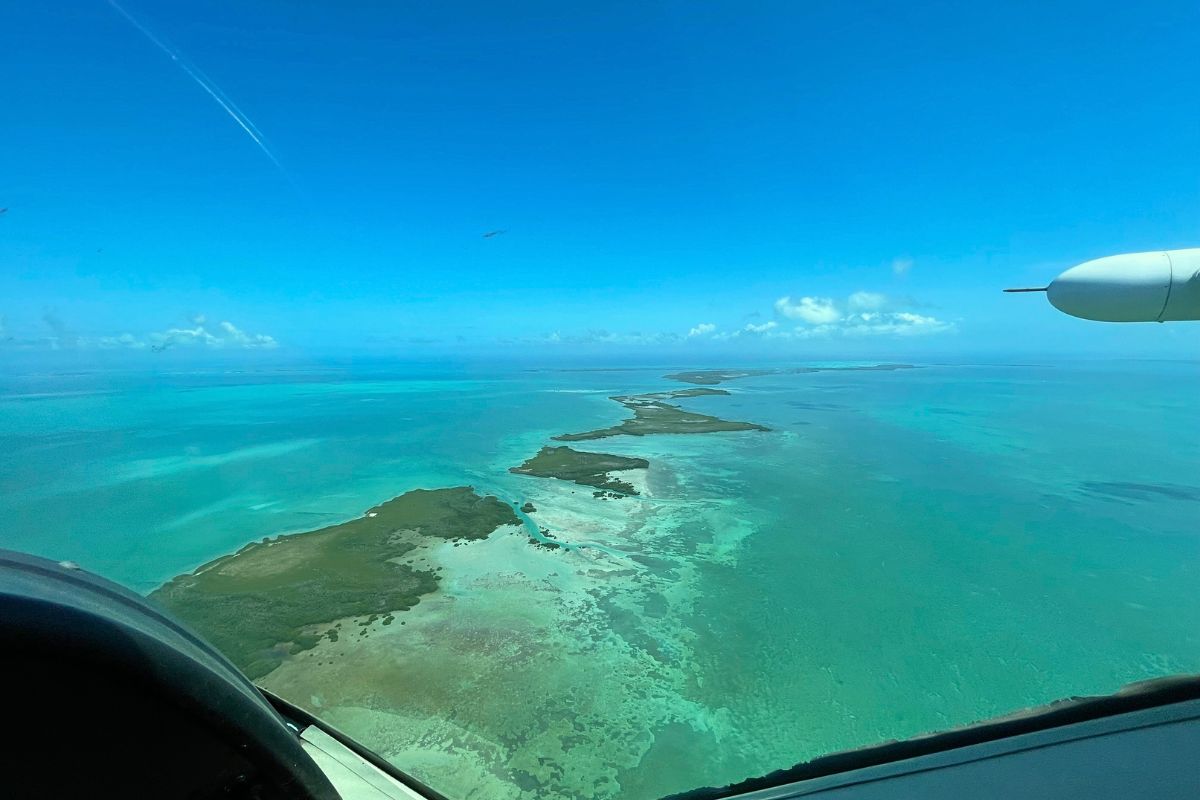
[673, 178]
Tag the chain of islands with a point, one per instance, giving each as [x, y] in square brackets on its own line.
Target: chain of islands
[316, 614]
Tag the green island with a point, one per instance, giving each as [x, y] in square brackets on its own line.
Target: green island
[711, 377]
[586, 469]
[283, 595]
[653, 414]
[277, 597]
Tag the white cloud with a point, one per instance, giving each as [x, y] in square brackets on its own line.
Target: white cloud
[876, 323]
[125, 340]
[186, 337]
[866, 314]
[866, 301]
[226, 335]
[765, 330]
[813, 310]
[899, 323]
[702, 329]
[238, 338]
[602, 336]
[901, 266]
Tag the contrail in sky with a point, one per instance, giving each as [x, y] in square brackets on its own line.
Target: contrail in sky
[207, 85]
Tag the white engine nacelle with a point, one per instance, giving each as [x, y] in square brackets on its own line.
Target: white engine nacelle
[1137, 287]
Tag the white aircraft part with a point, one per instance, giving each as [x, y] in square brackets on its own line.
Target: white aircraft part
[1136, 287]
[354, 777]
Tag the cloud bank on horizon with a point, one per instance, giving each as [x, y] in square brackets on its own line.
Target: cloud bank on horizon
[862, 314]
[59, 336]
[226, 335]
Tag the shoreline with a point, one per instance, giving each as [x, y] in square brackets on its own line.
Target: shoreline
[594, 627]
[261, 614]
[271, 599]
[702, 390]
[529, 629]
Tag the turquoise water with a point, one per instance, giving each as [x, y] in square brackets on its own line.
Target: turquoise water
[904, 552]
[149, 477]
[940, 546]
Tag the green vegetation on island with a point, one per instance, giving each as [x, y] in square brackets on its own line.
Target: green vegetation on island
[653, 414]
[281, 596]
[711, 377]
[577, 466]
[548, 542]
[270, 599]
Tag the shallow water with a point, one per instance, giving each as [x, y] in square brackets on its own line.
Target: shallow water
[903, 552]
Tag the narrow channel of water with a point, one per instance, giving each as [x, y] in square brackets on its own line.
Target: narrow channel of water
[536, 534]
